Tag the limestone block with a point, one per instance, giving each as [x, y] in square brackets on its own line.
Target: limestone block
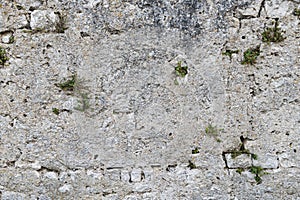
[277, 8]
[113, 174]
[17, 21]
[241, 161]
[251, 10]
[125, 175]
[111, 197]
[287, 160]
[148, 173]
[65, 188]
[43, 20]
[51, 175]
[136, 175]
[7, 195]
[140, 187]
[266, 161]
[131, 197]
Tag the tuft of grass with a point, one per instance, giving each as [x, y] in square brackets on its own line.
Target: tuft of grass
[273, 34]
[68, 85]
[180, 70]
[213, 131]
[237, 153]
[195, 151]
[191, 165]
[240, 170]
[61, 24]
[11, 39]
[254, 156]
[258, 171]
[3, 56]
[258, 179]
[230, 52]
[56, 111]
[250, 55]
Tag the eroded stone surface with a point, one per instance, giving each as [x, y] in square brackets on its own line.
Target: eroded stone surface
[128, 127]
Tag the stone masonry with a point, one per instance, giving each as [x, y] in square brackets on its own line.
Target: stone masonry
[150, 99]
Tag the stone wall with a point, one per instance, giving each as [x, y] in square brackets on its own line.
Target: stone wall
[149, 99]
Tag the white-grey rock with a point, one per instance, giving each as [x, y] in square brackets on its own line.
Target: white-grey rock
[136, 175]
[125, 175]
[43, 20]
[241, 161]
[142, 188]
[7, 195]
[65, 188]
[135, 138]
[51, 175]
[277, 8]
[268, 161]
[7, 37]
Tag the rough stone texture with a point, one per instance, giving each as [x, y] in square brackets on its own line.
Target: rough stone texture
[128, 129]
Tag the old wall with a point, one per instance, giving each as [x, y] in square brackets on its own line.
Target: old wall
[96, 102]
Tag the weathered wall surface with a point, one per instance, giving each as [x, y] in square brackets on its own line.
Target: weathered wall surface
[92, 106]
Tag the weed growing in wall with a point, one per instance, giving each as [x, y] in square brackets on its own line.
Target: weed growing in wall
[273, 34]
[3, 56]
[68, 85]
[258, 171]
[191, 165]
[230, 52]
[61, 24]
[213, 131]
[180, 70]
[296, 12]
[56, 111]
[250, 55]
[195, 151]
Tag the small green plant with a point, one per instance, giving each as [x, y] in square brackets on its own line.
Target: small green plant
[191, 165]
[11, 39]
[240, 170]
[195, 151]
[3, 56]
[218, 140]
[61, 26]
[239, 152]
[83, 103]
[250, 55]
[296, 12]
[273, 34]
[56, 111]
[258, 171]
[254, 156]
[242, 150]
[180, 70]
[230, 52]
[68, 85]
[19, 7]
[213, 131]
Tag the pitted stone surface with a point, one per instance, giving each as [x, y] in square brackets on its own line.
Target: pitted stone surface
[130, 126]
